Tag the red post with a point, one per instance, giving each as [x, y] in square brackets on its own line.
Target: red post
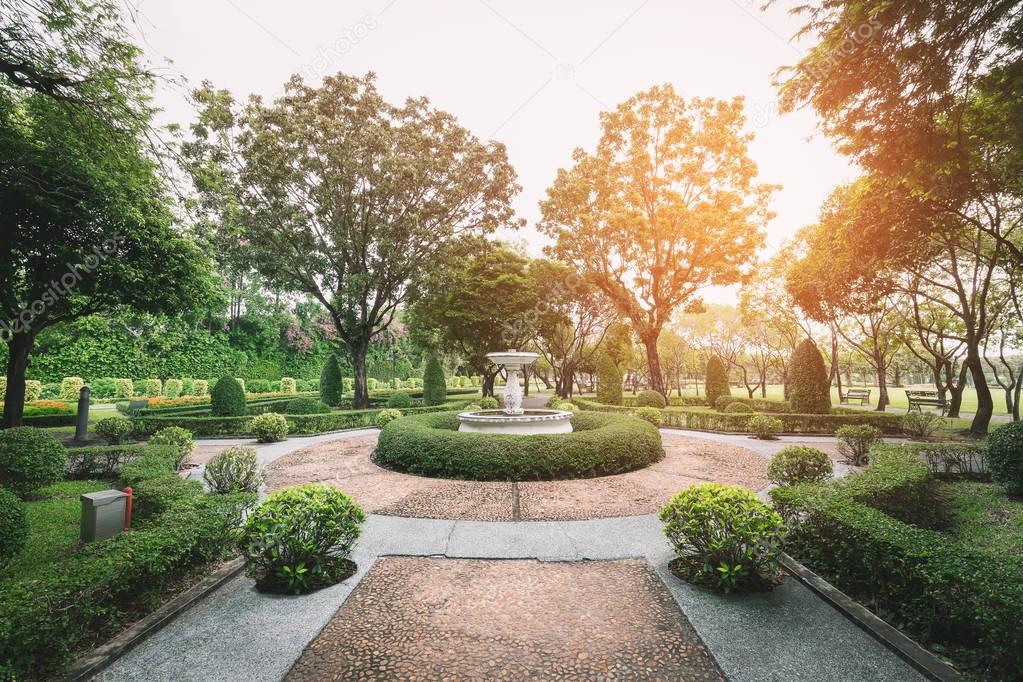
[127, 510]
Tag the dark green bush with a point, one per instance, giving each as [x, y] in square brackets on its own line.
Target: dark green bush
[29, 459]
[13, 526]
[102, 389]
[227, 399]
[601, 444]
[235, 470]
[651, 399]
[330, 382]
[435, 387]
[108, 461]
[609, 381]
[300, 538]
[306, 406]
[1005, 456]
[717, 380]
[799, 464]
[809, 384]
[258, 386]
[399, 400]
[151, 497]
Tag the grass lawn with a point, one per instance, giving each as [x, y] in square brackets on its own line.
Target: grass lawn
[986, 518]
[53, 521]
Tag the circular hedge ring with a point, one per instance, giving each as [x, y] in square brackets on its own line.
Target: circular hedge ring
[600, 445]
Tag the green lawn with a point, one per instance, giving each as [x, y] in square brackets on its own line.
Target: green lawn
[986, 519]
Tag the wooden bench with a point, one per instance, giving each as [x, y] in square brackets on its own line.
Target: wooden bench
[921, 399]
[861, 394]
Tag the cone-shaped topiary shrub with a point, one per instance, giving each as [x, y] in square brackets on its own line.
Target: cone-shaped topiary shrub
[330, 382]
[609, 381]
[435, 388]
[809, 387]
[717, 380]
[227, 399]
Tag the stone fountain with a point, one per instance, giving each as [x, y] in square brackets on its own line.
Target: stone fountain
[513, 419]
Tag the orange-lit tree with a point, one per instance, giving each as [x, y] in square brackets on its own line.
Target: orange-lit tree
[667, 204]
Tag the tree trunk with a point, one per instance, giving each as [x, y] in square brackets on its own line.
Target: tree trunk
[654, 362]
[20, 346]
[955, 392]
[487, 385]
[1019, 389]
[985, 403]
[882, 384]
[360, 399]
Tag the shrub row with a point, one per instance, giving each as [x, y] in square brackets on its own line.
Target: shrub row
[961, 460]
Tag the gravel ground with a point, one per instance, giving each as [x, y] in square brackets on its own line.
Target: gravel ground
[472, 619]
[347, 465]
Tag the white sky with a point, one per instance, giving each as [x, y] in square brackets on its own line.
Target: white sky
[531, 74]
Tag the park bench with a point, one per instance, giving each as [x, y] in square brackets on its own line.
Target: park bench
[861, 394]
[921, 399]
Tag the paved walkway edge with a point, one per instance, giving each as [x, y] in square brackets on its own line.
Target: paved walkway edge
[905, 648]
[101, 657]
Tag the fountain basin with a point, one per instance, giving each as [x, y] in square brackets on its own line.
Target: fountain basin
[526, 423]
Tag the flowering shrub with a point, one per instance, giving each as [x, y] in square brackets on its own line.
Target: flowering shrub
[159, 402]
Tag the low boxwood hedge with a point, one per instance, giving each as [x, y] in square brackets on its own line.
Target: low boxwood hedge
[600, 445]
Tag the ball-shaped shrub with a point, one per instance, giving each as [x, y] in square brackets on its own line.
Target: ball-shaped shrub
[1005, 456]
[722, 402]
[300, 539]
[13, 526]
[29, 459]
[235, 470]
[650, 414]
[717, 380]
[385, 417]
[723, 535]
[227, 398]
[269, 427]
[435, 387]
[306, 406]
[399, 400]
[288, 385]
[738, 407]
[489, 402]
[855, 441]
[330, 382]
[764, 426]
[651, 399]
[70, 388]
[609, 381]
[114, 430]
[809, 383]
[799, 464]
[175, 436]
[200, 388]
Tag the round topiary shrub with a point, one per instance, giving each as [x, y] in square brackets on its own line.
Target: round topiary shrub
[330, 382]
[489, 402]
[300, 539]
[13, 526]
[235, 470]
[1005, 456]
[601, 444]
[269, 427]
[650, 414]
[306, 406]
[29, 459]
[809, 384]
[609, 381]
[176, 436]
[799, 464]
[399, 400]
[717, 380]
[385, 417]
[724, 537]
[114, 430]
[764, 427]
[227, 398]
[435, 387]
[723, 401]
[651, 399]
[738, 407]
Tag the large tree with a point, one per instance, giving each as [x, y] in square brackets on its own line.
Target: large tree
[666, 205]
[344, 196]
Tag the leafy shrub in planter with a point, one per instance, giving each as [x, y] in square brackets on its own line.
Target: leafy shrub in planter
[920, 424]
[124, 389]
[435, 389]
[723, 535]
[330, 382]
[172, 388]
[1005, 456]
[152, 388]
[609, 381]
[650, 399]
[306, 406]
[799, 464]
[738, 407]
[29, 459]
[174, 436]
[649, 414]
[399, 400]
[70, 387]
[288, 385]
[764, 426]
[270, 427]
[489, 402]
[300, 539]
[13, 526]
[855, 441]
[235, 470]
[717, 380]
[809, 384]
[33, 390]
[385, 417]
[200, 388]
[259, 386]
[114, 429]
[228, 398]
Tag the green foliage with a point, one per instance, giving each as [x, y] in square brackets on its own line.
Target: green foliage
[70, 387]
[288, 385]
[13, 526]
[124, 389]
[600, 445]
[1005, 456]
[102, 389]
[723, 535]
[435, 389]
[796, 464]
[371, 384]
[200, 388]
[300, 538]
[306, 406]
[920, 424]
[172, 388]
[114, 429]
[722, 402]
[29, 459]
[259, 386]
[650, 399]
[235, 470]
[809, 387]
[737, 407]
[152, 388]
[399, 400]
[554, 401]
[489, 402]
[174, 436]
[385, 417]
[227, 398]
[269, 427]
[716, 380]
[764, 426]
[855, 441]
[609, 381]
[33, 390]
[649, 414]
[330, 382]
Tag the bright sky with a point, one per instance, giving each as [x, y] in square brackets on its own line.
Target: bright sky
[532, 74]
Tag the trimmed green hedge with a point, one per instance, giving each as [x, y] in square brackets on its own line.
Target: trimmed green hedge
[600, 445]
[673, 401]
